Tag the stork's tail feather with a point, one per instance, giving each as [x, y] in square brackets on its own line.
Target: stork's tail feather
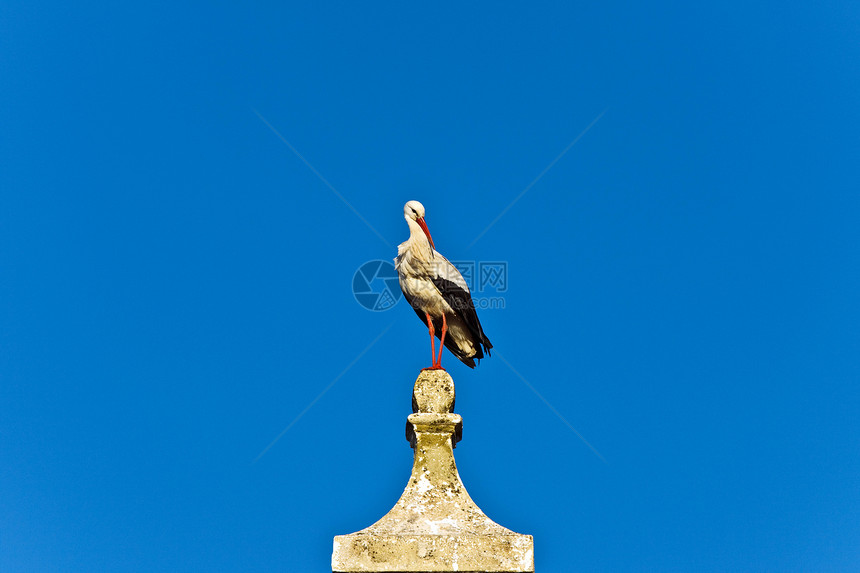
[462, 356]
[487, 344]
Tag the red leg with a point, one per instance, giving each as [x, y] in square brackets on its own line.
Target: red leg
[432, 338]
[442, 341]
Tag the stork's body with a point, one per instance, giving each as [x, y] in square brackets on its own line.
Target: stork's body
[438, 294]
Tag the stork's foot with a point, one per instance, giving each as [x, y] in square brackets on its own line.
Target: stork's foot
[439, 367]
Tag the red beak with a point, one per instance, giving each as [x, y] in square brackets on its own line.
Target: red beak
[423, 226]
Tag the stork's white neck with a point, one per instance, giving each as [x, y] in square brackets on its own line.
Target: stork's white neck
[417, 241]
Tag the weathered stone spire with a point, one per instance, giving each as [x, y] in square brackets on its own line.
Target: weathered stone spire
[435, 525]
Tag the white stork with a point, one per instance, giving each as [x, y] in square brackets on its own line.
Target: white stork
[438, 294]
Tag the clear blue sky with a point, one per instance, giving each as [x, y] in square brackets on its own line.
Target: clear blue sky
[175, 283]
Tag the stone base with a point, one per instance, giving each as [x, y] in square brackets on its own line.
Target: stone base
[418, 553]
[435, 525]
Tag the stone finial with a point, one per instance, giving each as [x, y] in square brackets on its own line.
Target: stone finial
[433, 393]
[435, 525]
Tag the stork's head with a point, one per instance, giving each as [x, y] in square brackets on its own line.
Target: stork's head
[414, 211]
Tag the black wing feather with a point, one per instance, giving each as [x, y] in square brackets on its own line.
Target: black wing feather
[461, 301]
